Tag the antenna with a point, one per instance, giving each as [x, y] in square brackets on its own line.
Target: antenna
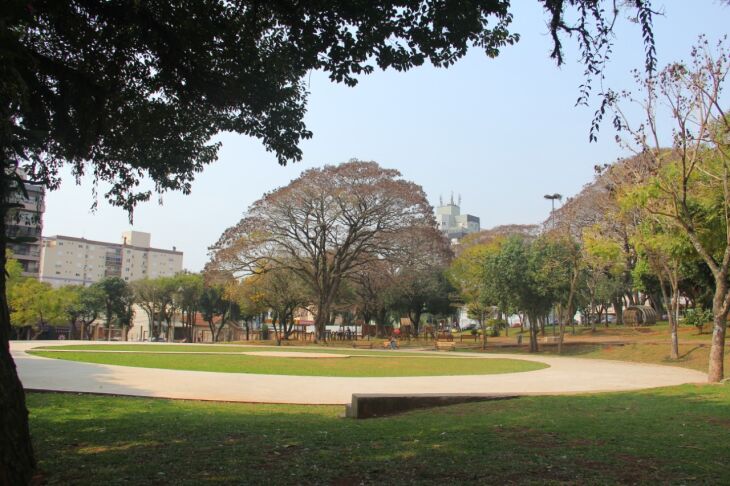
[441, 200]
[452, 198]
[459, 200]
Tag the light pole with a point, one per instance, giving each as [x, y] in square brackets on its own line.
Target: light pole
[552, 198]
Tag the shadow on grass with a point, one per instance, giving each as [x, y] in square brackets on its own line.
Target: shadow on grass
[669, 435]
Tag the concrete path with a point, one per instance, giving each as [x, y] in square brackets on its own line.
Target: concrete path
[565, 375]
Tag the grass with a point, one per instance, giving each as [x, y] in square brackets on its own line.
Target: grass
[693, 356]
[218, 348]
[674, 435]
[358, 366]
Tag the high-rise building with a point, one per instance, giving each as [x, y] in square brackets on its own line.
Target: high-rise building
[454, 224]
[27, 221]
[67, 260]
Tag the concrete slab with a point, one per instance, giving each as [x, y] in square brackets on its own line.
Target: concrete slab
[565, 375]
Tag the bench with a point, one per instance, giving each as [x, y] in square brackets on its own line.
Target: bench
[362, 344]
[551, 339]
[445, 345]
[386, 345]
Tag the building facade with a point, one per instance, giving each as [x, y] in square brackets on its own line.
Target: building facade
[67, 260]
[454, 224]
[27, 221]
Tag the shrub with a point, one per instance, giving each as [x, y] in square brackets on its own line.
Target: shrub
[697, 317]
[496, 325]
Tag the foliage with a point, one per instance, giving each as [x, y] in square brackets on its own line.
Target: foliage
[328, 224]
[697, 317]
[128, 90]
[687, 184]
[35, 303]
[215, 308]
[117, 298]
[278, 289]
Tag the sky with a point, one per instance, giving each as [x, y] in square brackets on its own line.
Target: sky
[500, 133]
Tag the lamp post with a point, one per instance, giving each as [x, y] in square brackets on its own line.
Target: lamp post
[552, 198]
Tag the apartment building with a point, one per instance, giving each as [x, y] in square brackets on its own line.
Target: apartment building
[67, 260]
[27, 221]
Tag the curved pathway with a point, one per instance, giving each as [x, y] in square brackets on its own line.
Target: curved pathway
[565, 375]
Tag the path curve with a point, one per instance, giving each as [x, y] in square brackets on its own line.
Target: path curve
[565, 375]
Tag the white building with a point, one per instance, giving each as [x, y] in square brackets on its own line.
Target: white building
[454, 224]
[67, 260]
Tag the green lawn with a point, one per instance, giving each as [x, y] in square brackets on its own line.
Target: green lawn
[221, 348]
[677, 435]
[694, 356]
[387, 365]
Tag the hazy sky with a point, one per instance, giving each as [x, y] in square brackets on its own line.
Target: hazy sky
[501, 132]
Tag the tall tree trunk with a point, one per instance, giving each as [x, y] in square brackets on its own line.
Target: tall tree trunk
[618, 307]
[533, 333]
[415, 318]
[716, 369]
[673, 324]
[17, 463]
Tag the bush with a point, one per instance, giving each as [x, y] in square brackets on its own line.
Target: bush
[496, 325]
[697, 317]
[264, 331]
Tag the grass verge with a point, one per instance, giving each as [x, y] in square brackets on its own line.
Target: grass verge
[674, 435]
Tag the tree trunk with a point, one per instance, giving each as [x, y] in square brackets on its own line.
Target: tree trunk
[17, 463]
[618, 307]
[533, 333]
[716, 369]
[415, 321]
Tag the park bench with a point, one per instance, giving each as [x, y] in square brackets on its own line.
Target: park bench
[362, 344]
[551, 339]
[473, 337]
[445, 345]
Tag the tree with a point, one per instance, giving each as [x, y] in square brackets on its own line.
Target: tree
[146, 295]
[281, 290]
[188, 291]
[213, 304]
[689, 187]
[664, 252]
[36, 304]
[83, 306]
[324, 226]
[117, 297]
[124, 89]
[468, 274]
[246, 297]
[374, 288]
[421, 292]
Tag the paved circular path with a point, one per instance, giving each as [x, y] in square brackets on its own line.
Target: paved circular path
[565, 375]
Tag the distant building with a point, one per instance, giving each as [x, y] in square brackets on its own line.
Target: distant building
[27, 221]
[67, 260]
[454, 224]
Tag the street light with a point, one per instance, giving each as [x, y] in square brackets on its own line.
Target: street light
[552, 198]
